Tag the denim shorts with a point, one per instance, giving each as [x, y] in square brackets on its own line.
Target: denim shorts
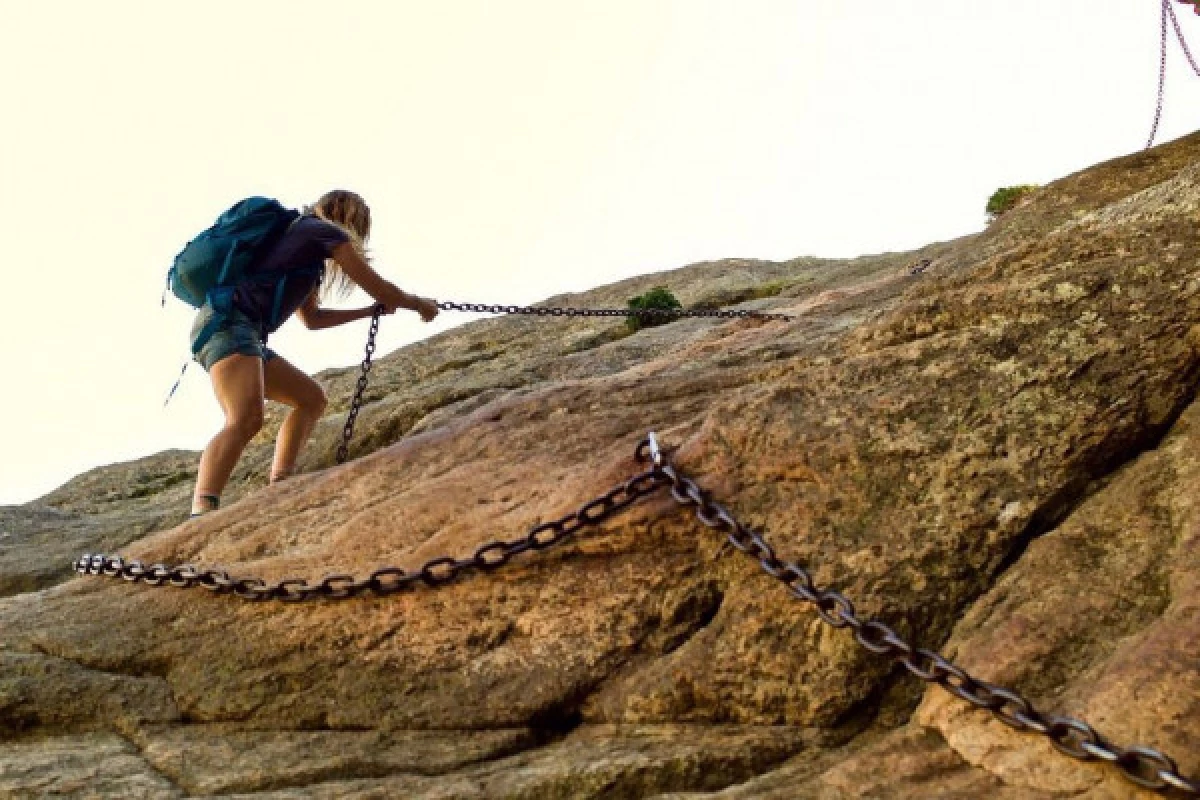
[238, 335]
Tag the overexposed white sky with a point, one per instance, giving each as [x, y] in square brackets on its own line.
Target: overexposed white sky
[510, 151]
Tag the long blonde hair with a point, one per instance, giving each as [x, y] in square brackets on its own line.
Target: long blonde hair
[349, 212]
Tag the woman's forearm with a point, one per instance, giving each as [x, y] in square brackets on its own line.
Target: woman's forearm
[387, 293]
[410, 300]
[359, 271]
[332, 317]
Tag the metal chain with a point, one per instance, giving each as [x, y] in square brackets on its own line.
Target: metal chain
[387, 580]
[1168, 13]
[643, 313]
[1146, 767]
[1187, 53]
[343, 450]
[1162, 74]
[1143, 766]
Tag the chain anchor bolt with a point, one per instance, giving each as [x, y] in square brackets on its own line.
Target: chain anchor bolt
[656, 454]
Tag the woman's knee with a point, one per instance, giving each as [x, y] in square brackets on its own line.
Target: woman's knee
[246, 424]
[288, 385]
[314, 402]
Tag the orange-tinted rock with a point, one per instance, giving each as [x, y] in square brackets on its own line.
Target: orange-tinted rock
[1000, 448]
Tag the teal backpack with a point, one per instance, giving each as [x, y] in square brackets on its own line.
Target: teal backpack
[212, 265]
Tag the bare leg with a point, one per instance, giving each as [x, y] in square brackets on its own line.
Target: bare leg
[238, 384]
[288, 385]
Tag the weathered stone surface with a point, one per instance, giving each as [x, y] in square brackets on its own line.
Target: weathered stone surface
[103, 509]
[999, 453]
[45, 693]
[1100, 619]
[593, 763]
[911, 764]
[90, 765]
[415, 389]
[213, 759]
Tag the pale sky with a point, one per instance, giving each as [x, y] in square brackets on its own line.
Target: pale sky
[510, 151]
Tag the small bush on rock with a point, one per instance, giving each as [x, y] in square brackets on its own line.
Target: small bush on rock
[658, 297]
[1006, 198]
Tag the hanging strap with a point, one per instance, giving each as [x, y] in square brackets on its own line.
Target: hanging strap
[178, 381]
[221, 302]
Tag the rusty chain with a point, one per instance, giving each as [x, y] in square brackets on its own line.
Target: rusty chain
[387, 580]
[1148, 768]
[1144, 766]
[356, 404]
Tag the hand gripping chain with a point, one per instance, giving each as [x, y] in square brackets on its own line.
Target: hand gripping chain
[1143, 766]
[343, 450]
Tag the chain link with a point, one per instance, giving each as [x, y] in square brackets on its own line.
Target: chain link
[1168, 14]
[1143, 766]
[343, 450]
[643, 313]
[386, 580]
[1148, 768]
[1187, 53]
[1162, 74]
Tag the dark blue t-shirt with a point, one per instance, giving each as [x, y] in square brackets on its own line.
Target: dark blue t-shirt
[306, 244]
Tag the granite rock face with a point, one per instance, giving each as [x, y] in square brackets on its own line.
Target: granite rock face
[999, 457]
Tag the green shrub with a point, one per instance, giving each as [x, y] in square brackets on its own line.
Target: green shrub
[658, 297]
[1006, 199]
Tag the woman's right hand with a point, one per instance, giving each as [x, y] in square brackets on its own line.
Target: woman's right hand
[428, 309]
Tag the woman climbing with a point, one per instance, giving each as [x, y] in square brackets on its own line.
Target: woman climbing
[321, 254]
